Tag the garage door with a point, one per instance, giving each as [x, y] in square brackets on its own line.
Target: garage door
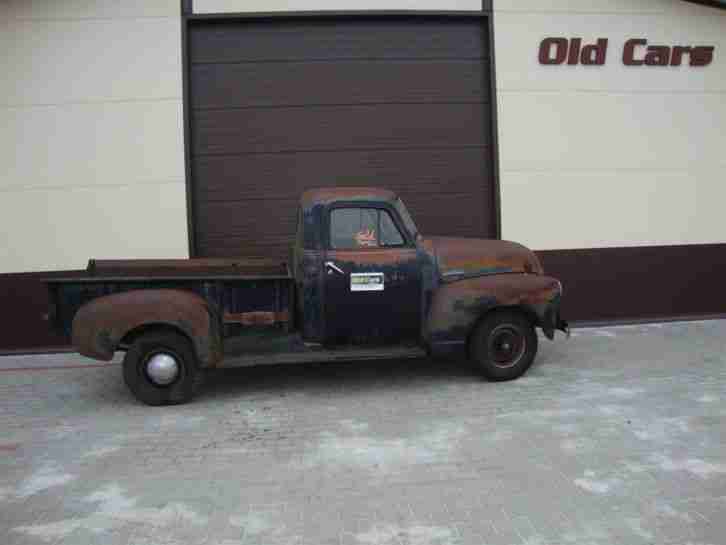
[280, 106]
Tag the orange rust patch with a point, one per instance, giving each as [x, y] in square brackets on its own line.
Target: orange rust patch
[374, 256]
[332, 194]
[256, 318]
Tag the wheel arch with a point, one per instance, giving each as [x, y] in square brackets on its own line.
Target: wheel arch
[108, 323]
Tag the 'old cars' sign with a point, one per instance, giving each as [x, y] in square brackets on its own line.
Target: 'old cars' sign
[635, 52]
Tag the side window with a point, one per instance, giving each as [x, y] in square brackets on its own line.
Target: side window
[363, 228]
[390, 235]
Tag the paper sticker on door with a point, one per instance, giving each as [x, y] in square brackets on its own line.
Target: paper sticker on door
[366, 282]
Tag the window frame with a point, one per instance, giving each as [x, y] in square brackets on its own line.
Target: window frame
[408, 241]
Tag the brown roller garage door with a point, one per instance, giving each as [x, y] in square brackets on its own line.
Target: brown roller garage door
[279, 106]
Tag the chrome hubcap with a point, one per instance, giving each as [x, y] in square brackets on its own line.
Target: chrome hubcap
[162, 369]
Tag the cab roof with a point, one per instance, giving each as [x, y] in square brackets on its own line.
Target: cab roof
[327, 195]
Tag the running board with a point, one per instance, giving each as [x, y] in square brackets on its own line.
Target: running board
[323, 355]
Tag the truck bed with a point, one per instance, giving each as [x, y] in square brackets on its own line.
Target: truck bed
[241, 289]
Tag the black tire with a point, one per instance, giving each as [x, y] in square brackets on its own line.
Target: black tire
[183, 387]
[503, 345]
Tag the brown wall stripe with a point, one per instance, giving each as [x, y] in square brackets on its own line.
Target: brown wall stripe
[619, 284]
[24, 302]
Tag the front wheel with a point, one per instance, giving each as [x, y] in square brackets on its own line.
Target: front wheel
[160, 368]
[503, 345]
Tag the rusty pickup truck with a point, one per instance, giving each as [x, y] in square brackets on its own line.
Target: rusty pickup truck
[361, 283]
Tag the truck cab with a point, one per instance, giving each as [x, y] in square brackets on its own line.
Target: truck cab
[359, 268]
[366, 275]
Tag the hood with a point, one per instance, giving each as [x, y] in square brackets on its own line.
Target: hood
[460, 258]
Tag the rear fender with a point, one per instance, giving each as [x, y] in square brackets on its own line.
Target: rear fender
[458, 306]
[101, 324]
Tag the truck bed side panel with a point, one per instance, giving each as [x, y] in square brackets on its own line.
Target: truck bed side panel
[237, 303]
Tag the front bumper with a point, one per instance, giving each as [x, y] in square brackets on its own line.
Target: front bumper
[551, 320]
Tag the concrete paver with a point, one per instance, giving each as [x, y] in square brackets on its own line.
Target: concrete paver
[616, 436]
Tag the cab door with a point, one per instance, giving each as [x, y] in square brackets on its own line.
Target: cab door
[372, 278]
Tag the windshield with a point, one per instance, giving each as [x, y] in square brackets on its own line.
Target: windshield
[406, 217]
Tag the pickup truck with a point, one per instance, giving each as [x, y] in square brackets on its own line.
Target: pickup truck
[361, 283]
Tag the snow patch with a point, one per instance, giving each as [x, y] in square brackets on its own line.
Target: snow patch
[114, 510]
[541, 415]
[667, 510]
[695, 466]
[589, 483]
[112, 502]
[625, 392]
[592, 332]
[63, 431]
[354, 426]
[392, 534]
[661, 429]
[99, 452]
[111, 499]
[611, 410]
[636, 525]
[180, 421]
[259, 522]
[46, 477]
[635, 467]
[597, 487]
[575, 445]
[52, 531]
[382, 453]
[567, 429]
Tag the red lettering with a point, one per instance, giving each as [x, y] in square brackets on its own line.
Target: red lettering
[629, 52]
[658, 55]
[702, 55]
[677, 55]
[545, 51]
[574, 55]
[636, 52]
[595, 54]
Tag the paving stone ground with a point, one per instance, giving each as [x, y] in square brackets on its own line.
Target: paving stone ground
[617, 436]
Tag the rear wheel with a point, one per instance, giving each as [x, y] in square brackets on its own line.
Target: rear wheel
[160, 368]
[503, 345]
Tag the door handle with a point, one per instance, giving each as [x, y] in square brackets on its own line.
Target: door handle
[333, 266]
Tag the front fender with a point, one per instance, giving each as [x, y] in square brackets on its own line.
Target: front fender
[99, 325]
[457, 306]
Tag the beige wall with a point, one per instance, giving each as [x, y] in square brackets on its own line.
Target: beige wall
[227, 6]
[91, 136]
[610, 155]
[91, 132]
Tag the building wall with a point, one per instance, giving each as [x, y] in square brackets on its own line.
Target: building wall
[239, 6]
[592, 159]
[613, 155]
[91, 132]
